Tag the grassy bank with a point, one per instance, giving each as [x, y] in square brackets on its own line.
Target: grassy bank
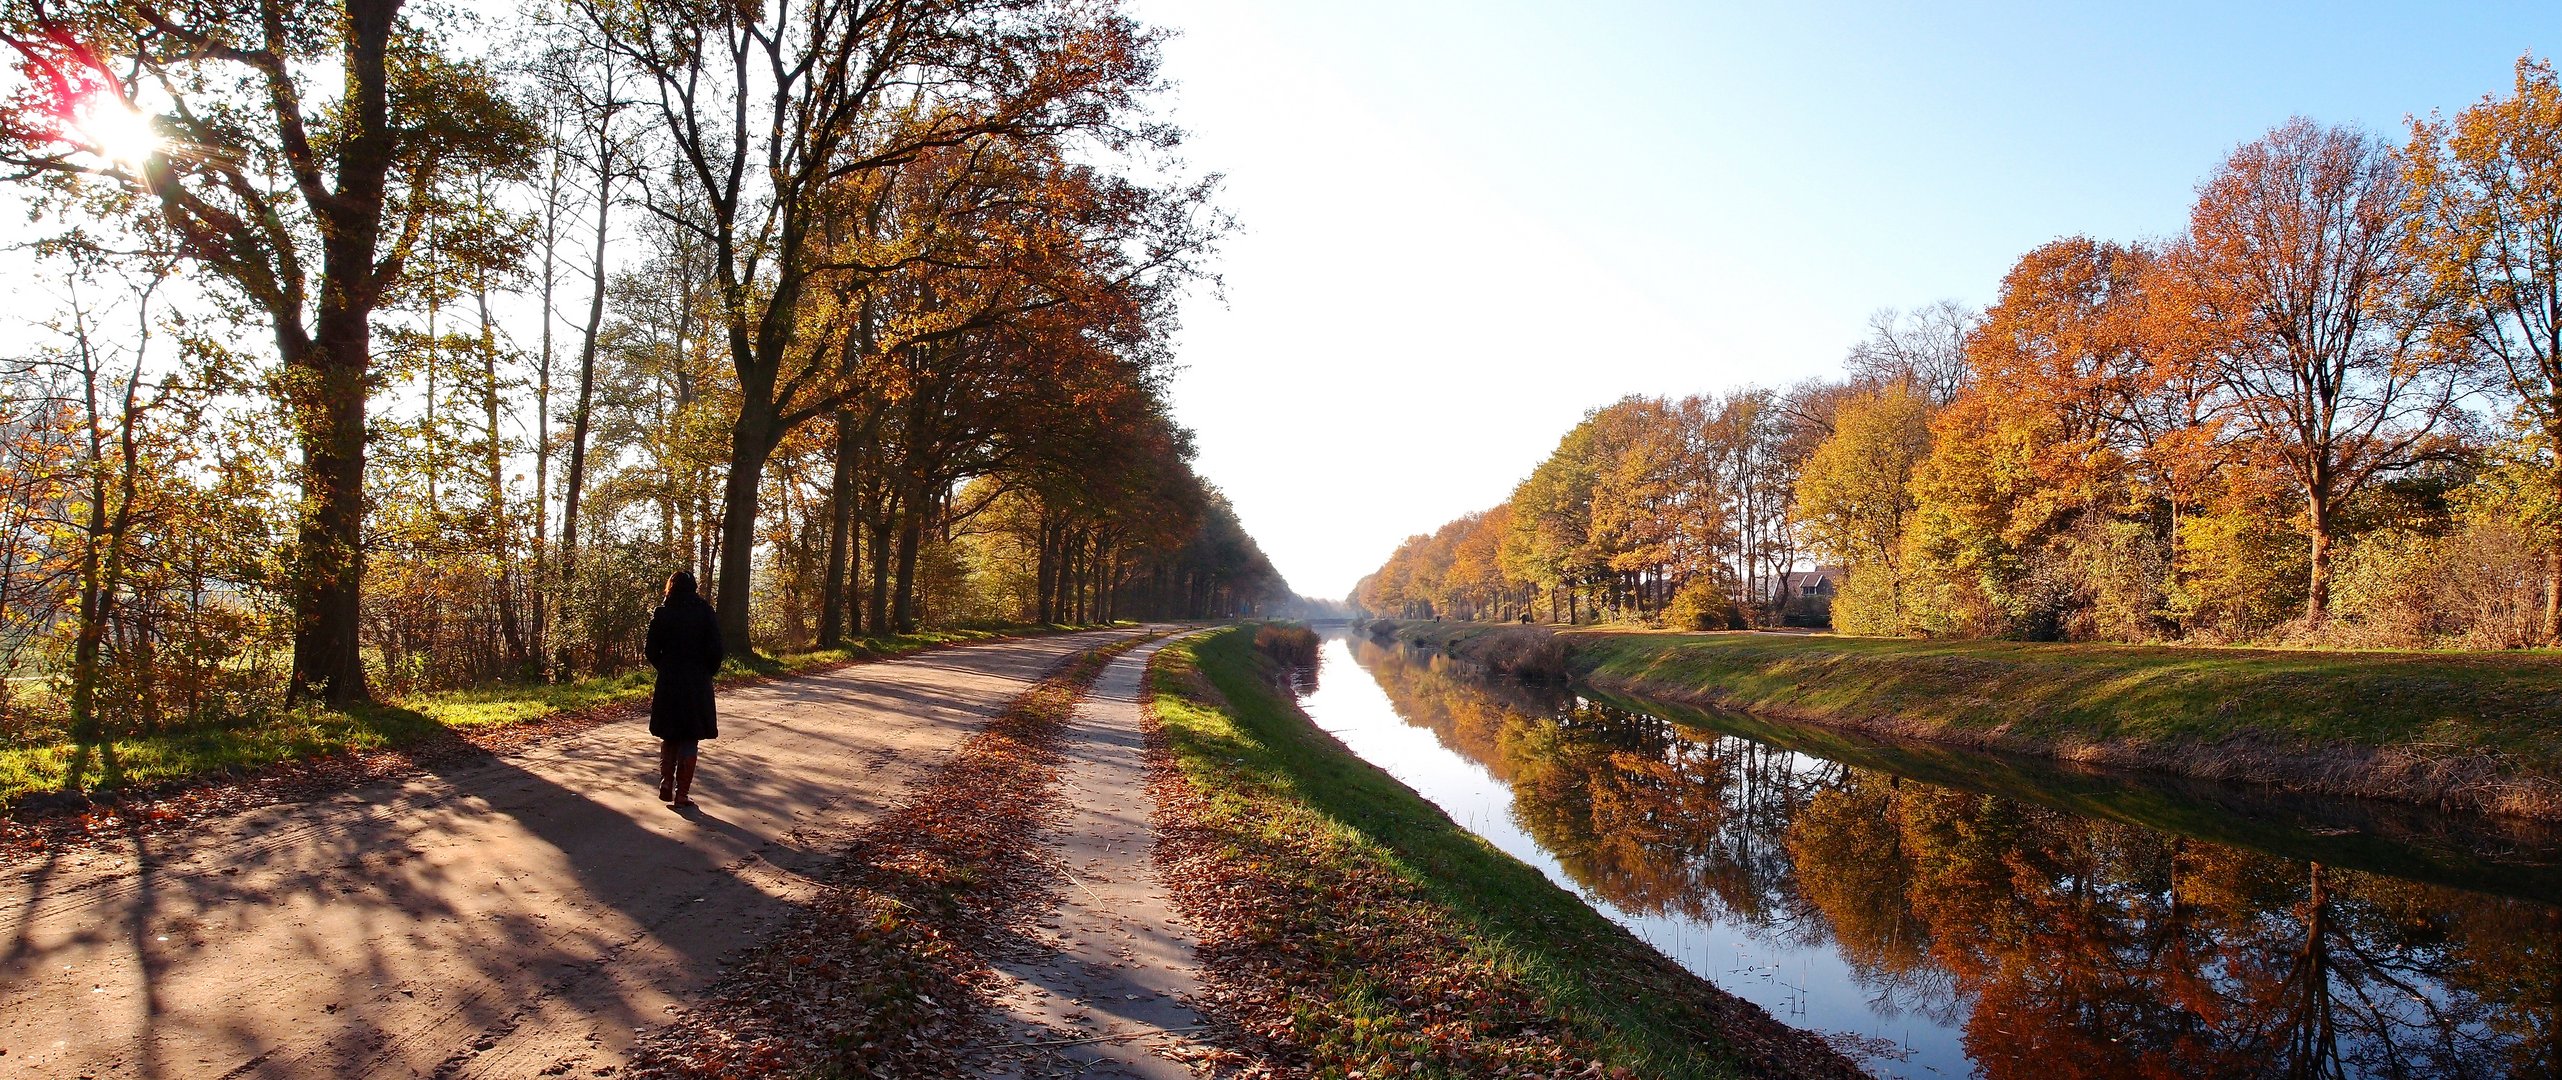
[1353, 929]
[2469, 731]
[59, 769]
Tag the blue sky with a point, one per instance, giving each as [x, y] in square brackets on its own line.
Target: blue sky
[1467, 223]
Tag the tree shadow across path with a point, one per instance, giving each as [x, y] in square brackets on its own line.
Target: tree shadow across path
[497, 916]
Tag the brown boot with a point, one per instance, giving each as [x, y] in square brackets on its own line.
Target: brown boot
[684, 783]
[666, 773]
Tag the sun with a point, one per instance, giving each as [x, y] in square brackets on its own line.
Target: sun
[114, 131]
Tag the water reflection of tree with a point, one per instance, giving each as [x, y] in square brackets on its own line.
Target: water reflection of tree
[2112, 950]
[1633, 810]
[1302, 678]
[2077, 947]
[1854, 870]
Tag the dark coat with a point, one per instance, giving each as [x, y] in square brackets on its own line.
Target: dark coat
[685, 647]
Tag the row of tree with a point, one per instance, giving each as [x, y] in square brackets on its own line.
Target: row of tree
[1647, 507]
[2329, 410]
[401, 349]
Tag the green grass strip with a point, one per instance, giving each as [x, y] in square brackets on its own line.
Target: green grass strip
[2500, 702]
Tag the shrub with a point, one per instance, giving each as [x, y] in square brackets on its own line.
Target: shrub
[2479, 586]
[1287, 643]
[1523, 652]
[1701, 604]
[2241, 572]
[1871, 602]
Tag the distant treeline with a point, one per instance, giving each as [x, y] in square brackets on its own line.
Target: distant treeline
[401, 351]
[2328, 412]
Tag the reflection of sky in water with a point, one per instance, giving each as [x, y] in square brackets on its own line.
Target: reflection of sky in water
[1807, 986]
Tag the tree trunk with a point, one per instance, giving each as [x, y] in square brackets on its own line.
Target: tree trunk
[1045, 573]
[494, 461]
[833, 599]
[1067, 578]
[328, 389]
[1056, 589]
[1081, 585]
[910, 536]
[542, 590]
[751, 441]
[1080, 578]
[102, 556]
[580, 414]
[1110, 608]
[862, 511]
[2317, 587]
[2553, 596]
[883, 513]
[1066, 584]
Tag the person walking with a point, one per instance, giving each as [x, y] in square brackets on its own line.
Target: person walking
[685, 646]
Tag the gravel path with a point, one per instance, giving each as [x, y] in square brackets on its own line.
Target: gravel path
[1111, 963]
[507, 917]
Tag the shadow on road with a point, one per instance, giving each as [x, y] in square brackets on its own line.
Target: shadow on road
[397, 926]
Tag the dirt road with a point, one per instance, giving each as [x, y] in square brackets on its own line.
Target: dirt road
[510, 917]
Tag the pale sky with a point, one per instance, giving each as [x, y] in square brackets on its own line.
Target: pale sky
[1467, 223]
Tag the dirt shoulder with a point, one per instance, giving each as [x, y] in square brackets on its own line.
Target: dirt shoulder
[2471, 732]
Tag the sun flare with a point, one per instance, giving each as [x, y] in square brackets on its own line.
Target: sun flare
[116, 132]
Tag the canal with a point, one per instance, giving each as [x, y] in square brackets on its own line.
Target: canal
[1940, 913]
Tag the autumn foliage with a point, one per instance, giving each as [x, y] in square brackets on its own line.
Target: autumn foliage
[2325, 412]
[861, 313]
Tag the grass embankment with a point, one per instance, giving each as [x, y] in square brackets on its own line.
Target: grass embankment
[2469, 731]
[2477, 853]
[1351, 929]
[61, 771]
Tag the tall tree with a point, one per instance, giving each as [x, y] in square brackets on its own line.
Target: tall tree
[2297, 268]
[767, 111]
[586, 82]
[2056, 437]
[1550, 544]
[2489, 188]
[291, 148]
[1855, 500]
[1925, 347]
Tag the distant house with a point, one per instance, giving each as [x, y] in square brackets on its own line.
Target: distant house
[1805, 597]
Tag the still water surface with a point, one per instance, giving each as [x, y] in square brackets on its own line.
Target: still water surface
[1938, 913]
